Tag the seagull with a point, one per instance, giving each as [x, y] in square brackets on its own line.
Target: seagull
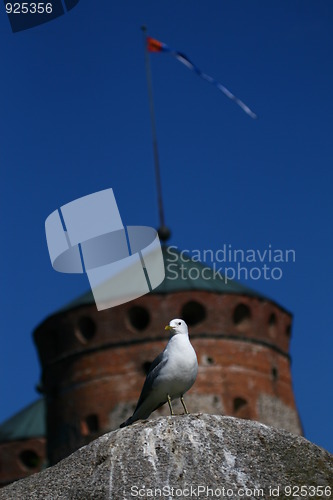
[170, 375]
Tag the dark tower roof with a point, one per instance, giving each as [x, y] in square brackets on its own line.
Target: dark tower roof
[28, 423]
[184, 274]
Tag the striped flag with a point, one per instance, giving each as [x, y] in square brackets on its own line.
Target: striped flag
[154, 45]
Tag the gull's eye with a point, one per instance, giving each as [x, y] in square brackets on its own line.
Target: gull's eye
[179, 323]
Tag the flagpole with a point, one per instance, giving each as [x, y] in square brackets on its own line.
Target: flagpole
[163, 231]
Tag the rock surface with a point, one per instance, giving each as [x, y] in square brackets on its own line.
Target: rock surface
[190, 456]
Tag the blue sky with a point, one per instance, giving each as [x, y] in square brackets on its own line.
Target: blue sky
[75, 119]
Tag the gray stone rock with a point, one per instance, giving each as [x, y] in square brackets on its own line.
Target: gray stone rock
[186, 456]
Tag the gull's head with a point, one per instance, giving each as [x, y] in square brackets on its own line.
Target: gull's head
[177, 326]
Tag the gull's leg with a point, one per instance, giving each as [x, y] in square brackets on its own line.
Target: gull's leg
[169, 403]
[184, 405]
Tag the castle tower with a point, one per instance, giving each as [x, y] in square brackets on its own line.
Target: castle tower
[94, 363]
[23, 444]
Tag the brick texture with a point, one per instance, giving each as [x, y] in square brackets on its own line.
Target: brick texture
[19, 459]
[94, 363]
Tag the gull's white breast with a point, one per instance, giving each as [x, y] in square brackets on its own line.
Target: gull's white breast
[180, 371]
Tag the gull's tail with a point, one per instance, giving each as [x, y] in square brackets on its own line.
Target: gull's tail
[127, 422]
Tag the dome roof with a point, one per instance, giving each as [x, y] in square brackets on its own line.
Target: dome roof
[27, 423]
[184, 274]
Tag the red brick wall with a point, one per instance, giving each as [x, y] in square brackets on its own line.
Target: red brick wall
[93, 362]
[19, 459]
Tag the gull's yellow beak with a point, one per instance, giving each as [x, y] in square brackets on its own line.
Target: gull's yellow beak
[168, 327]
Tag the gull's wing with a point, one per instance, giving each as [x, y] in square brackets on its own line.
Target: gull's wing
[152, 374]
